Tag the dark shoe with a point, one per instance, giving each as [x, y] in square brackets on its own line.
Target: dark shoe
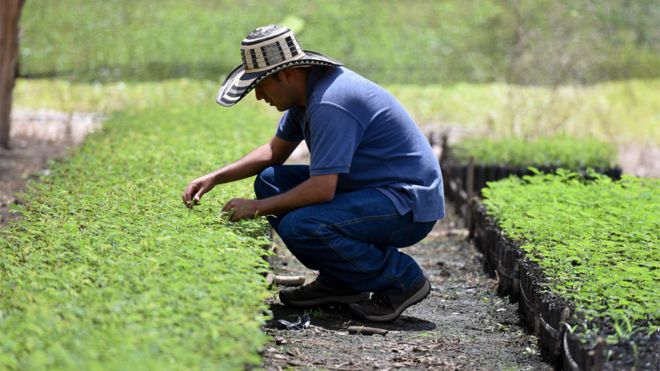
[316, 294]
[388, 307]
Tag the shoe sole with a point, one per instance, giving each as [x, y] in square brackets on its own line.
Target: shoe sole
[420, 295]
[326, 300]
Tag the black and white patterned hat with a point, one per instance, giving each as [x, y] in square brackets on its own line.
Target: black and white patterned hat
[265, 51]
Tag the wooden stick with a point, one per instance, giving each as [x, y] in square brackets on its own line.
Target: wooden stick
[362, 330]
[286, 280]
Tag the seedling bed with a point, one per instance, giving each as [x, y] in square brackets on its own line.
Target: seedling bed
[567, 338]
[467, 167]
[547, 315]
[106, 269]
[457, 178]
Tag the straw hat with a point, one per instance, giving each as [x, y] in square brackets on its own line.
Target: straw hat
[265, 51]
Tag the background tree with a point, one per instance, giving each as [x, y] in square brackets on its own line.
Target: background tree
[9, 14]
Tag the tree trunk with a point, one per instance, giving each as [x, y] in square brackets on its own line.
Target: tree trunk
[10, 12]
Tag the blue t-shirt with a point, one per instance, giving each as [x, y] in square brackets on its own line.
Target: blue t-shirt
[356, 129]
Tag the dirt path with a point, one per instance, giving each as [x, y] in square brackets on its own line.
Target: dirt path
[463, 324]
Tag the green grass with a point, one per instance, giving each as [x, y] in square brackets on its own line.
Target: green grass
[617, 112]
[597, 242]
[108, 270]
[152, 39]
[415, 41]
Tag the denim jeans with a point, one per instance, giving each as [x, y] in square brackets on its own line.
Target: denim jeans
[352, 240]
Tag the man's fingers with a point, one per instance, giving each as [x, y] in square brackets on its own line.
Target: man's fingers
[192, 195]
[185, 200]
[228, 206]
[197, 196]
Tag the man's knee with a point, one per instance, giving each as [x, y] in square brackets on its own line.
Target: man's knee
[263, 183]
[278, 179]
[297, 226]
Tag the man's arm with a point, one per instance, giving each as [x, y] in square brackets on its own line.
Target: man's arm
[316, 189]
[275, 152]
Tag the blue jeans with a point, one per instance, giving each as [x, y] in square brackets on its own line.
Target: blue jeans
[352, 240]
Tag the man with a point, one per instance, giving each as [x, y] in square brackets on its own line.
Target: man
[373, 184]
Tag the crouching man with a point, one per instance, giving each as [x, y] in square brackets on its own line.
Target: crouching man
[373, 184]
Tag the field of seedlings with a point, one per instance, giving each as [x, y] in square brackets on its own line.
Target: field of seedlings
[539, 103]
[558, 152]
[582, 256]
[470, 164]
[108, 269]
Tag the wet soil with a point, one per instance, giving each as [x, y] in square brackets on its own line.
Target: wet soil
[463, 324]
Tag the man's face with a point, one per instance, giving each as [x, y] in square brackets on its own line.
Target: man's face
[276, 92]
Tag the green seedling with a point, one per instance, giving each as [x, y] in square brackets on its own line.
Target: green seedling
[557, 151]
[107, 269]
[597, 242]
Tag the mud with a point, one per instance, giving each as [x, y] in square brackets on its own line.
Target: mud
[463, 324]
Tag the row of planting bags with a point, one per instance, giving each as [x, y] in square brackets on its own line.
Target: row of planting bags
[568, 337]
[546, 314]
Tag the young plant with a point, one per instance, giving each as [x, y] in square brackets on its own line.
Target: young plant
[107, 269]
[557, 151]
[598, 242]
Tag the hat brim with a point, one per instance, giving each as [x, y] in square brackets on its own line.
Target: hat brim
[239, 82]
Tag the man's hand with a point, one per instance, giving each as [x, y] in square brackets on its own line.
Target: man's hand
[275, 152]
[241, 208]
[196, 189]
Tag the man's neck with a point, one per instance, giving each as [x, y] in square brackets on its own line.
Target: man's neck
[304, 84]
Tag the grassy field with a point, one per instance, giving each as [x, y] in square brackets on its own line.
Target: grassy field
[150, 39]
[415, 41]
[617, 112]
[427, 48]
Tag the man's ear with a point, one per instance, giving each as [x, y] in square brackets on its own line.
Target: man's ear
[286, 75]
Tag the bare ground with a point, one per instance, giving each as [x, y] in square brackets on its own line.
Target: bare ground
[463, 324]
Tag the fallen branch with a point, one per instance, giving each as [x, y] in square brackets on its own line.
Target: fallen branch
[285, 280]
[362, 330]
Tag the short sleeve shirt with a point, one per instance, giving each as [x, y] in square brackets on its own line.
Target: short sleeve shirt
[356, 129]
